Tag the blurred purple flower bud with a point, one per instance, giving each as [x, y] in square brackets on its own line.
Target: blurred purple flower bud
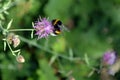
[20, 59]
[16, 41]
[109, 57]
[43, 28]
[10, 38]
[13, 39]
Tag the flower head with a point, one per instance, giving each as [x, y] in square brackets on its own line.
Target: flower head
[43, 28]
[109, 57]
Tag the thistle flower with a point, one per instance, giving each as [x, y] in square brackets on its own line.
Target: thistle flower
[109, 57]
[43, 28]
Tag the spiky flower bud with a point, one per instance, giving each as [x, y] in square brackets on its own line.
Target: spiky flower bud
[13, 39]
[16, 41]
[10, 37]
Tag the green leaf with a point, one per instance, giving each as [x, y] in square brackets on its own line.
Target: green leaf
[32, 33]
[71, 53]
[4, 45]
[53, 58]
[16, 51]
[2, 17]
[9, 24]
[87, 59]
[6, 12]
[7, 5]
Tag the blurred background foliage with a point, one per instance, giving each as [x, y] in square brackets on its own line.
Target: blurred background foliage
[94, 27]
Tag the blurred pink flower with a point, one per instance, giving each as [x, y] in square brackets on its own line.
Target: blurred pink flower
[109, 57]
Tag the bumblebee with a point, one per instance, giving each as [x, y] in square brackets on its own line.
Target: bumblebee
[57, 26]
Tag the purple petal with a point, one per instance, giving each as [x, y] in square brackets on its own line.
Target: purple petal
[43, 28]
[109, 57]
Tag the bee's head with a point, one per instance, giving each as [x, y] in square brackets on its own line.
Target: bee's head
[59, 22]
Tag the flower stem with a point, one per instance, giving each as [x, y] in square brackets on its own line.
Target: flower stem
[43, 48]
[12, 30]
[10, 48]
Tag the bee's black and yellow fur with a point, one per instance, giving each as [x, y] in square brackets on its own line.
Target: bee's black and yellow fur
[56, 24]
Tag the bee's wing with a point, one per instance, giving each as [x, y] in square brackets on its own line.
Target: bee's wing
[63, 28]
